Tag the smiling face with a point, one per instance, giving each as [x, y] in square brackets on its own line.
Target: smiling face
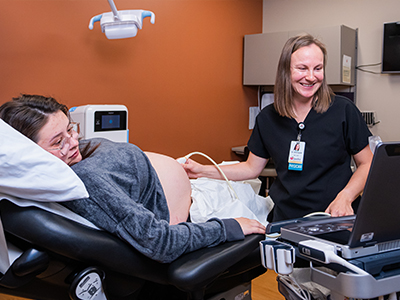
[58, 138]
[307, 72]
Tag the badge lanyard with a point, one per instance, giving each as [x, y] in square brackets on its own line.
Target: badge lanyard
[296, 151]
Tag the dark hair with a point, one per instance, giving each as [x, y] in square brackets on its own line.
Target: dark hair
[283, 85]
[29, 113]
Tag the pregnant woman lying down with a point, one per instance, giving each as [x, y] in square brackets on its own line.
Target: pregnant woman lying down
[143, 198]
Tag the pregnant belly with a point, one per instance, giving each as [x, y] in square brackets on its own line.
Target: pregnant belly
[176, 186]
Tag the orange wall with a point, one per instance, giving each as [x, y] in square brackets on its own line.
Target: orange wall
[180, 78]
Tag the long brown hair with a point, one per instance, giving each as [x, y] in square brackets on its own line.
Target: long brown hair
[283, 91]
[29, 113]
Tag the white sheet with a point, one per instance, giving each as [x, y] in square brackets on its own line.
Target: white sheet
[213, 198]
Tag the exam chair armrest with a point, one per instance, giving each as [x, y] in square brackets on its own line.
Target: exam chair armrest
[199, 268]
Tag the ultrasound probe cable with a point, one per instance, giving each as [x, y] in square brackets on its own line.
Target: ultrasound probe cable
[186, 157]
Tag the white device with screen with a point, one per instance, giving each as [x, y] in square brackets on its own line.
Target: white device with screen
[105, 121]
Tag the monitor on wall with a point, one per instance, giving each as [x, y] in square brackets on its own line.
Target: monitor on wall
[391, 48]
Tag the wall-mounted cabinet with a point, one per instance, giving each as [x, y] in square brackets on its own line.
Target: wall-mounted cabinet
[262, 52]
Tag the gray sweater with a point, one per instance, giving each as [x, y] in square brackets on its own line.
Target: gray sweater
[126, 198]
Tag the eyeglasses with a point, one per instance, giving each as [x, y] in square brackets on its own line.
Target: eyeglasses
[64, 142]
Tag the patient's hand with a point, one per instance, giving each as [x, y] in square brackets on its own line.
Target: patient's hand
[250, 226]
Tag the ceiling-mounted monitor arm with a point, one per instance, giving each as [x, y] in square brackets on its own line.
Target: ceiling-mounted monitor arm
[114, 10]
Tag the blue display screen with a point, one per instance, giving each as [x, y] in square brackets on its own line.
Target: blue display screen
[110, 122]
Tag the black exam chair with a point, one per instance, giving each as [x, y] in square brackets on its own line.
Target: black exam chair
[58, 252]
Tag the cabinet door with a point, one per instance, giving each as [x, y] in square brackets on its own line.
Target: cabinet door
[261, 56]
[262, 52]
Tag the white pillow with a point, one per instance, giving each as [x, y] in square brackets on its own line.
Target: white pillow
[28, 171]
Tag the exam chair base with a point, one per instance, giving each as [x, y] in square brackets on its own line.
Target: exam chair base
[120, 287]
[150, 292]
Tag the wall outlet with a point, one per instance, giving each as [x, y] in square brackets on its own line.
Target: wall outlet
[369, 117]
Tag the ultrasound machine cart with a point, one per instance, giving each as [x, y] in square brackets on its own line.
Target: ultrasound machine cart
[367, 277]
[355, 257]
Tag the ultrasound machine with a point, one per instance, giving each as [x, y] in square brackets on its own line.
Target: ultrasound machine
[355, 257]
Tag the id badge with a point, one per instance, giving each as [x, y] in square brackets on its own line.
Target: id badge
[296, 155]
